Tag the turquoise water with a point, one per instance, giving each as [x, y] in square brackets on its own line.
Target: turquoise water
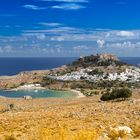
[38, 94]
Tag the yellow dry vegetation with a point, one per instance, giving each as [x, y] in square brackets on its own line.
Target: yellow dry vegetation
[61, 119]
[65, 134]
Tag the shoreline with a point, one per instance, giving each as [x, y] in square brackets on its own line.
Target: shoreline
[79, 94]
[20, 88]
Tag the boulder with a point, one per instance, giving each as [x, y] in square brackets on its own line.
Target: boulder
[27, 97]
[125, 129]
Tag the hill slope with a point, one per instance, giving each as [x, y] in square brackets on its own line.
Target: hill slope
[98, 60]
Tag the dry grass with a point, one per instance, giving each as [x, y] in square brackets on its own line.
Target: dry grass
[59, 119]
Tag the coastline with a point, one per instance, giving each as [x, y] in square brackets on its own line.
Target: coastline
[21, 88]
[37, 87]
[79, 94]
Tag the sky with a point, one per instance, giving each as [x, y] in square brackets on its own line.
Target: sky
[69, 28]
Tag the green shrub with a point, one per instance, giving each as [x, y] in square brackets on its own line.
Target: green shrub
[22, 84]
[14, 86]
[95, 72]
[11, 106]
[117, 93]
[48, 81]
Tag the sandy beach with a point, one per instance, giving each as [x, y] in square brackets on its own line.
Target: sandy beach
[80, 95]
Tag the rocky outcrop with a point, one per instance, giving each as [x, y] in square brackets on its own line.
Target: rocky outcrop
[97, 60]
[107, 57]
[27, 97]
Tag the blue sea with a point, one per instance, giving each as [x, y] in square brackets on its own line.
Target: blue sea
[11, 66]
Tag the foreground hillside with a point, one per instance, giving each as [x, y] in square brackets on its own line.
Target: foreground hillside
[75, 119]
[78, 119]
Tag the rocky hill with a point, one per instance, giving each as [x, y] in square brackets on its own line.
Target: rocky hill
[101, 70]
[98, 60]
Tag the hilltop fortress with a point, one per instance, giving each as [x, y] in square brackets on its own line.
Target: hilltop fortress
[108, 57]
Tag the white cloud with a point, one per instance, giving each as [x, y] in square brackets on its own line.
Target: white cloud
[74, 37]
[123, 49]
[125, 33]
[81, 47]
[34, 7]
[74, 1]
[72, 6]
[1, 50]
[57, 30]
[70, 41]
[53, 24]
[6, 49]
[100, 43]
[41, 36]
[125, 44]
[64, 33]
[59, 38]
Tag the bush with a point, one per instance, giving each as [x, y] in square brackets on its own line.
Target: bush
[14, 86]
[48, 81]
[95, 72]
[22, 84]
[11, 106]
[117, 93]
